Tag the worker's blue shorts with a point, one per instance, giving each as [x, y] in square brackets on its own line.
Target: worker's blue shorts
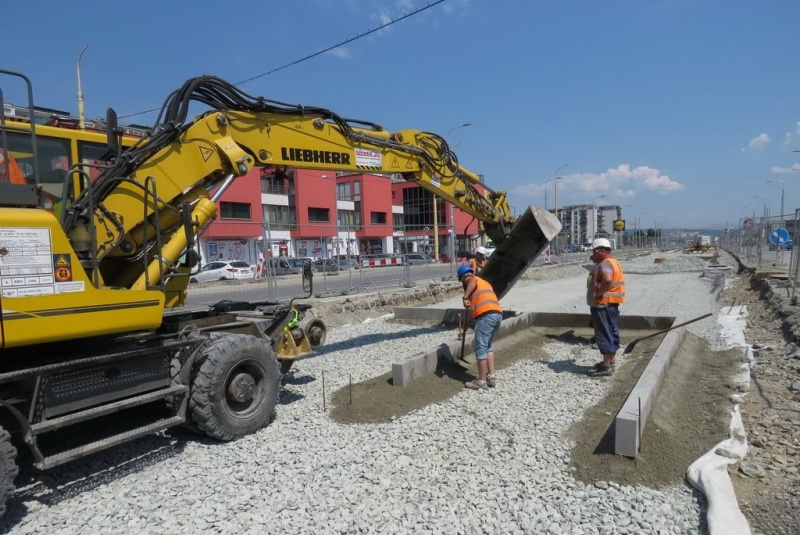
[606, 332]
[486, 327]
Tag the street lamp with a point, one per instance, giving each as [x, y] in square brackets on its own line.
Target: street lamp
[594, 215]
[456, 128]
[783, 190]
[555, 187]
[81, 117]
[452, 233]
[545, 188]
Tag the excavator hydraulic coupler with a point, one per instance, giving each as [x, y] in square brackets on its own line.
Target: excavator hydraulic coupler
[530, 235]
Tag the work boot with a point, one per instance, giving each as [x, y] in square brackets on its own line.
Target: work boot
[602, 371]
[491, 381]
[476, 384]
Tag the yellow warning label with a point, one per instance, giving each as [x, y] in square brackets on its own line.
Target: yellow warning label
[62, 260]
[206, 153]
[395, 163]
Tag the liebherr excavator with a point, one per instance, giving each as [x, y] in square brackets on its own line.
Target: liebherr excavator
[84, 336]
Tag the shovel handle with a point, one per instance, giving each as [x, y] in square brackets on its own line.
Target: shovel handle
[632, 344]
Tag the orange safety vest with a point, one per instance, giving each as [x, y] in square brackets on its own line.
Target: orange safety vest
[10, 170]
[615, 295]
[483, 299]
[473, 263]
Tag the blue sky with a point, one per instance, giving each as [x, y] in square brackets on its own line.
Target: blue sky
[680, 111]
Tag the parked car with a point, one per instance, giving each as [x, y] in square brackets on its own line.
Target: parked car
[416, 259]
[463, 256]
[325, 265]
[284, 265]
[223, 270]
[347, 264]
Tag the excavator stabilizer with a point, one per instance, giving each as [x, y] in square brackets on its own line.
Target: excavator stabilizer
[529, 236]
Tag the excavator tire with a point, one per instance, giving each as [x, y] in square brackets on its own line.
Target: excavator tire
[8, 469]
[235, 386]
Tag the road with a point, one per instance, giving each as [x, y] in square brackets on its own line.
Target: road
[338, 283]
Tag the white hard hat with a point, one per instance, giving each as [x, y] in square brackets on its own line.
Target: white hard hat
[601, 242]
[481, 250]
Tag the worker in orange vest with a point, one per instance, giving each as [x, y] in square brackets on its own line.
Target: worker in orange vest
[605, 291]
[478, 261]
[485, 309]
[9, 169]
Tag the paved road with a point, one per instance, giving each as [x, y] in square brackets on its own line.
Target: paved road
[339, 283]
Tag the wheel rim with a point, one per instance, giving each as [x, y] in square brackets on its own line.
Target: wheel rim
[245, 386]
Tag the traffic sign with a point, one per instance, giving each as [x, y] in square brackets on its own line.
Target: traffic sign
[619, 225]
[779, 236]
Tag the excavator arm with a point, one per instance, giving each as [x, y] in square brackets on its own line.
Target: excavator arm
[146, 208]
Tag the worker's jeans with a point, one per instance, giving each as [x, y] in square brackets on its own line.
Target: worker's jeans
[486, 327]
[606, 332]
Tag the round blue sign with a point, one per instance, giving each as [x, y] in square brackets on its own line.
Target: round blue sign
[779, 236]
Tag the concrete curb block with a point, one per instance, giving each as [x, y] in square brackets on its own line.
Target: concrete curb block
[632, 417]
[406, 371]
[629, 422]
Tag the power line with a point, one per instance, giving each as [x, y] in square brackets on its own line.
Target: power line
[315, 54]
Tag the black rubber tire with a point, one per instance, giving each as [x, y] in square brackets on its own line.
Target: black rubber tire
[224, 358]
[8, 469]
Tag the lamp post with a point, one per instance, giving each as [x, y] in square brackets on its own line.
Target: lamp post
[545, 188]
[81, 117]
[452, 232]
[555, 187]
[594, 214]
[783, 190]
[555, 196]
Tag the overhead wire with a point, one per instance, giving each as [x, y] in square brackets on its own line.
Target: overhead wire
[319, 53]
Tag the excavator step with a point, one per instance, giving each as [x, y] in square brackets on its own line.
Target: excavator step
[103, 410]
[529, 236]
[93, 447]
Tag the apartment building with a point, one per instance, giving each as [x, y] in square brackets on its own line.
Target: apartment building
[301, 212]
[583, 222]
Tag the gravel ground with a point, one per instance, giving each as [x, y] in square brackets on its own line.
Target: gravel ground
[478, 462]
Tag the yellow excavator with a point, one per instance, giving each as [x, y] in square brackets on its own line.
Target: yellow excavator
[91, 262]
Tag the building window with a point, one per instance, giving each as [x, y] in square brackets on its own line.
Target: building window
[279, 217]
[397, 221]
[234, 210]
[356, 190]
[377, 218]
[349, 220]
[319, 215]
[343, 192]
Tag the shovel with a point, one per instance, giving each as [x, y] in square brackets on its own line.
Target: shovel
[463, 338]
[630, 346]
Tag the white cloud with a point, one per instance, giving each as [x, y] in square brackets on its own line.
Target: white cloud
[792, 137]
[619, 183]
[757, 144]
[339, 52]
[455, 6]
[781, 170]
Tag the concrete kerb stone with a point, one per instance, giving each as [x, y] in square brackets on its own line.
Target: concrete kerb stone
[630, 420]
[406, 371]
[632, 417]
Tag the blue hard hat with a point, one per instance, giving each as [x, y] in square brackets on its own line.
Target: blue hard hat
[462, 270]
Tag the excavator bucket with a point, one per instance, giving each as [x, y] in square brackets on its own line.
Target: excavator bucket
[529, 236]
